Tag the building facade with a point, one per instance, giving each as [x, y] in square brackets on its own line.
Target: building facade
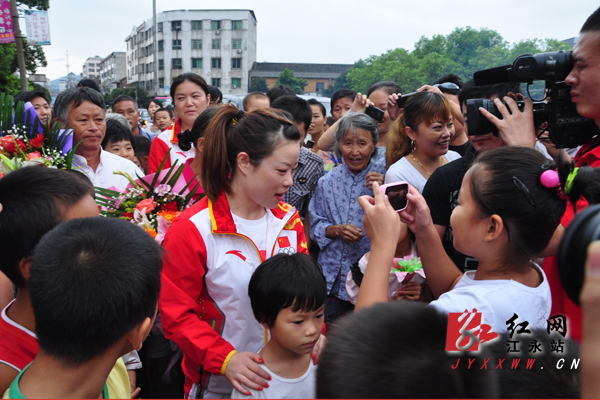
[219, 45]
[318, 76]
[112, 70]
[91, 67]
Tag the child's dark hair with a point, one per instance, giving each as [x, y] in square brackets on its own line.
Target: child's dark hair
[165, 110]
[506, 182]
[390, 87]
[286, 281]
[231, 132]
[315, 102]
[34, 200]
[297, 106]
[340, 94]
[395, 350]
[253, 95]
[92, 281]
[188, 138]
[142, 146]
[115, 133]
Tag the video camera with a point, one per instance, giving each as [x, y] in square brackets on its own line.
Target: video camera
[566, 128]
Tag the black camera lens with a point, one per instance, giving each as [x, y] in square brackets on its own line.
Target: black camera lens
[572, 252]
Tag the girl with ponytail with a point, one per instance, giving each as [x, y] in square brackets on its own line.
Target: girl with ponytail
[510, 203]
[213, 248]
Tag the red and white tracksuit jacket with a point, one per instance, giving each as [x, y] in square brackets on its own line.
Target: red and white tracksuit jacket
[204, 303]
[162, 143]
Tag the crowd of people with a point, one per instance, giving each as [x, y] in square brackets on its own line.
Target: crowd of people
[292, 275]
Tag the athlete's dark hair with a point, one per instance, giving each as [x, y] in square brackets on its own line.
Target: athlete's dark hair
[92, 281]
[34, 200]
[284, 281]
[230, 132]
[192, 77]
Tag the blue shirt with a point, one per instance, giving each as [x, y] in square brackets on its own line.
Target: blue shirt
[335, 202]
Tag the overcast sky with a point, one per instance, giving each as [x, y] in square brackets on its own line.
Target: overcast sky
[312, 31]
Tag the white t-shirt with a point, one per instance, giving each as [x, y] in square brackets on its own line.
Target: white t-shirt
[256, 230]
[402, 170]
[104, 177]
[303, 387]
[498, 300]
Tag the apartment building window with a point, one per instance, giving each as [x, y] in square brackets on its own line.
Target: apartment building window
[236, 44]
[215, 25]
[196, 25]
[146, 35]
[216, 82]
[216, 44]
[320, 87]
[161, 45]
[161, 83]
[236, 63]
[196, 63]
[236, 25]
[161, 64]
[176, 44]
[175, 25]
[236, 82]
[196, 44]
[159, 26]
[176, 63]
[215, 63]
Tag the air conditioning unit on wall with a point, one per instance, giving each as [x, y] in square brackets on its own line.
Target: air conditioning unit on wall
[240, 51]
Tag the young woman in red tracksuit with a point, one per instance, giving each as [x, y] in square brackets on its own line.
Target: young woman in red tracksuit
[213, 248]
[190, 97]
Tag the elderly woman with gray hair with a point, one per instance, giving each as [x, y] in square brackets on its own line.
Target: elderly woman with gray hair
[335, 216]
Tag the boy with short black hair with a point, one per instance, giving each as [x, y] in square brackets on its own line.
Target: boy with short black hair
[33, 200]
[164, 119]
[94, 286]
[287, 293]
[341, 102]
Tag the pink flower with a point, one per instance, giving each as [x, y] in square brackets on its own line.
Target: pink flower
[148, 205]
[162, 189]
[118, 202]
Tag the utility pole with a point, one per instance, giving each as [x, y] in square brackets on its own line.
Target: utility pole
[19, 41]
[155, 47]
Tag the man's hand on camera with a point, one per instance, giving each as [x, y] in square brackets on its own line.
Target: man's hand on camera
[516, 129]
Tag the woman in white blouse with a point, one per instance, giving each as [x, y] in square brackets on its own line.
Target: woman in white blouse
[418, 142]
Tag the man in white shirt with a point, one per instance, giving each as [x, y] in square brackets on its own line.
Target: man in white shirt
[82, 109]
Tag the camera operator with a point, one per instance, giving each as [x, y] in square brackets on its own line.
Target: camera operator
[584, 80]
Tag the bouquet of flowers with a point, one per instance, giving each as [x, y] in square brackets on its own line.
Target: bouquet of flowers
[408, 270]
[25, 141]
[153, 203]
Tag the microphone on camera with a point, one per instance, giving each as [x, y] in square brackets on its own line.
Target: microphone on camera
[492, 75]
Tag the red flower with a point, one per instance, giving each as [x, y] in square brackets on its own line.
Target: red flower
[127, 215]
[8, 144]
[34, 155]
[37, 141]
[170, 206]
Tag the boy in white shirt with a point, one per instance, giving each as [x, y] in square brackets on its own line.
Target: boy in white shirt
[288, 294]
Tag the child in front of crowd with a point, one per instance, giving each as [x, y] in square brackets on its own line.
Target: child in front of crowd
[33, 200]
[119, 140]
[94, 285]
[163, 118]
[287, 293]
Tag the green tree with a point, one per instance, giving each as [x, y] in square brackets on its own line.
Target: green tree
[287, 78]
[258, 84]
[341, 82]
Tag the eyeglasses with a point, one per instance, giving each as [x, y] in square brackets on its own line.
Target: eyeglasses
[447, 85]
